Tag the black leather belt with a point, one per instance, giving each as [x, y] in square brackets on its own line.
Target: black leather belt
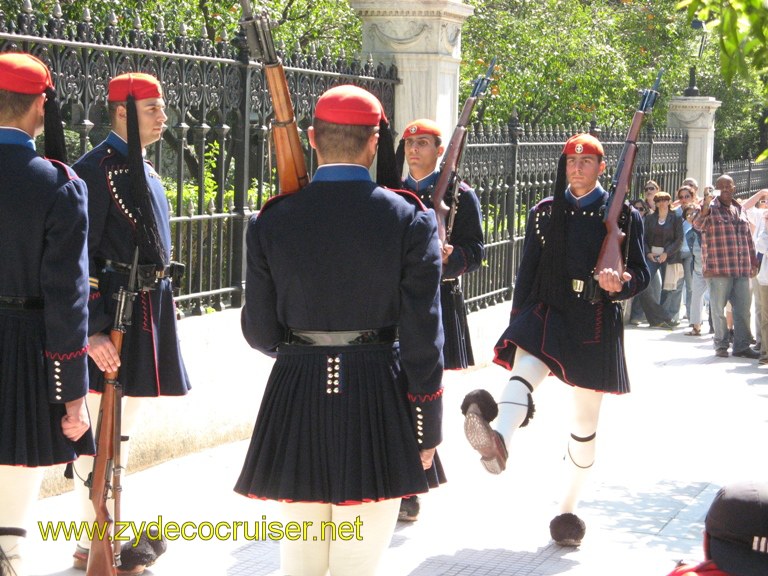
[15, 303]
[144, 270]
[342, 338]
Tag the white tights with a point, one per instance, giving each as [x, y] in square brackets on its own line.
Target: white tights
[369, 528]
[513, 408]
[20, 490]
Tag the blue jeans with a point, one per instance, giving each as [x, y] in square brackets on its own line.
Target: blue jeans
[687, 258]
[651, 296]
[671, 300]
[736, 291]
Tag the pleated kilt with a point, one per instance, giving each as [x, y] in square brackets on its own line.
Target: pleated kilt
[457, 351]
[31, 426]
[582, 345]
[334, 426]
[151, 363]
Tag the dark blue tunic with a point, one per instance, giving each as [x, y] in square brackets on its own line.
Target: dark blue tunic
[583, 345]
[467, 256]
[151, 362]
[343, 254]
[43, 258]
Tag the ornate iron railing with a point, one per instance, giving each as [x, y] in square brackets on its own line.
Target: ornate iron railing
[748, 176]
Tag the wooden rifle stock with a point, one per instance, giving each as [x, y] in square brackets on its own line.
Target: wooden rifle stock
[101, 559]
[448, 180]
[291, 166]
[611, 252]
[107, 467]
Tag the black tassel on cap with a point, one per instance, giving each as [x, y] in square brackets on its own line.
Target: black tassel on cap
[55, 145]
[400, 158]
[551, 279]
[386, 170]
[148, 238]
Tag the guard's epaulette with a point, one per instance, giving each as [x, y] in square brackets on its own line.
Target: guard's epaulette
[274, 200]
[544, 204]
[64, 168]
[408, 195]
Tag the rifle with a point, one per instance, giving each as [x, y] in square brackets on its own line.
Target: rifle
[107, 469]
[291, 167]
[611, 253]
[448, 181]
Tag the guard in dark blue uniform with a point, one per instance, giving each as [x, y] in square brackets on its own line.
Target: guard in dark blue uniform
[128, 214]
[563, 322]
[43, 300]
[421, 148]
[463, 251]
[343, 287]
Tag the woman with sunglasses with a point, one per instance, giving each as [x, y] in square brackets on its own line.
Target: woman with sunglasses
[663, 236]
[686, 196]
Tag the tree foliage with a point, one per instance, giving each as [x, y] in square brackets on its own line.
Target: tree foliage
[590, 64]
[741, 29]
[301, 23]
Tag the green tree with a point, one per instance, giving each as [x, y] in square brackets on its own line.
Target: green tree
[298, 22]
[741, 29]
[565, 70]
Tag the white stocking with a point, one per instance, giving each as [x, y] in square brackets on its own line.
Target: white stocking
[580, 454]
[513, 404]
[20, 490]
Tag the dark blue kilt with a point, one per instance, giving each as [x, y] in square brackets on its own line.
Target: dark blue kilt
[457, 351]
[314, 444]
[582, 346]
[31, 425]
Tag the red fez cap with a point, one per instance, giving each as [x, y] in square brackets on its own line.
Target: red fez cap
[348, 104]
[136, 84]
[583, 144]
[23, 74]
[422, 127]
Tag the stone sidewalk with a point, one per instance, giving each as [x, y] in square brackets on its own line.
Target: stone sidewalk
[692, 423]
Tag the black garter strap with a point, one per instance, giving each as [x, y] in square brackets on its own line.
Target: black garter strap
[8, 531]
[585, 438]
[531, 407]
[581, 439]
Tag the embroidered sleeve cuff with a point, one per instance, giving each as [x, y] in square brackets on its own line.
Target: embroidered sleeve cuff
[67, 375]
[427, 415]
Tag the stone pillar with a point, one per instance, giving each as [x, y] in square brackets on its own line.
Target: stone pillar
[696, 115]
[423, 39]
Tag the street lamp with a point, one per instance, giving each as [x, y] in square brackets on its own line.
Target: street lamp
[692, 90]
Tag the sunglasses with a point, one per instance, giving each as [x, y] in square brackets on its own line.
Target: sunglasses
[639, 208]
[649, 188]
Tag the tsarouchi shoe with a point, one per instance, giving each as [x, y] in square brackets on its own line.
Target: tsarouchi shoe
[409, 509]
[479, 409]
[567, 529]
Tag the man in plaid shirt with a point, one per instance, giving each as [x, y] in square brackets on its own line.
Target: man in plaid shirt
[730, 261]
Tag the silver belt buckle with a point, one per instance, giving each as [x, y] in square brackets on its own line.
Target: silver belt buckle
[577, 286]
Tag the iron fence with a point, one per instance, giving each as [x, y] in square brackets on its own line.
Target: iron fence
[748, 175]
